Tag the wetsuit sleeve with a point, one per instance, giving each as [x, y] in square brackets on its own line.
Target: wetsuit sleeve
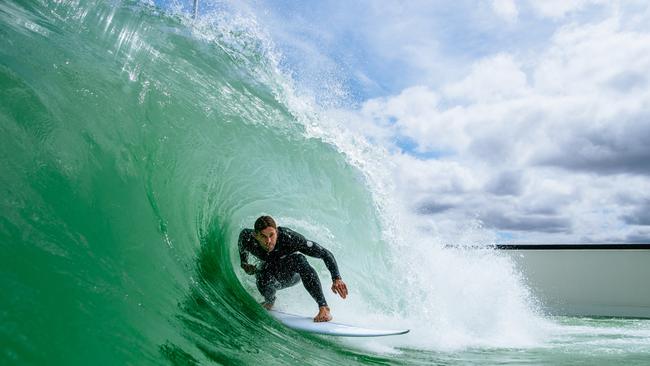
[315, 250]
[243, 252]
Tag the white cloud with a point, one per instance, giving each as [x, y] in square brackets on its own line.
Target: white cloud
[559, 8]
[436, 176]
[492, 79]
[506, 9]
[591, 59]
[544, 143]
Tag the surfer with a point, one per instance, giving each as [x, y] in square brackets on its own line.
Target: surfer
[283, 265]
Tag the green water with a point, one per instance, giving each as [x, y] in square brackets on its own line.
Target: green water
[134, 147]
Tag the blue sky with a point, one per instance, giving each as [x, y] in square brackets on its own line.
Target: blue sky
[526, 119]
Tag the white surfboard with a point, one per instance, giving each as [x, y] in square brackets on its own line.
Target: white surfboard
[307, 324]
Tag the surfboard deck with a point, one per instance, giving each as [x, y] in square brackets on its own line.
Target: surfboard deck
[307, 324]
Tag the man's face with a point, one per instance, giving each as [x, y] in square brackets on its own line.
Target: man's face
[267, 238]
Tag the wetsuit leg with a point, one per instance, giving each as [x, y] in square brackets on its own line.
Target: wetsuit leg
[288, 279]
[267, 284]
[275, 277]
[297, 263]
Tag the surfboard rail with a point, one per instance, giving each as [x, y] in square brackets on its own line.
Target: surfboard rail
[307, 324]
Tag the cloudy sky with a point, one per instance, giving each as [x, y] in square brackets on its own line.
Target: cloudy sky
[529, 119]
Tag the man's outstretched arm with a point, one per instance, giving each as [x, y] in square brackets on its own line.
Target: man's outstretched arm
[243, 253]
[315, 250]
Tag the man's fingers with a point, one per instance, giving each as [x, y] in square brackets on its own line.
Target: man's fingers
[342, 290]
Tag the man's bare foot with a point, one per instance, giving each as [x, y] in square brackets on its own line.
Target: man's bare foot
[267, 305]
[323, 314]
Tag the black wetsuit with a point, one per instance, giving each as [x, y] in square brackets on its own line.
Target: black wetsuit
[284, 266]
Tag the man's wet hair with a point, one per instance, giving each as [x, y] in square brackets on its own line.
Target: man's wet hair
[263, 222]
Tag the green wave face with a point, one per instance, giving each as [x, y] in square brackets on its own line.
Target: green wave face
[135, 146]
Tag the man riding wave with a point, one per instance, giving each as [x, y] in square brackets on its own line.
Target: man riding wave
[283, 264]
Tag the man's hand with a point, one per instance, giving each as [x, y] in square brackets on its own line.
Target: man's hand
[249, 268]
[339, 287]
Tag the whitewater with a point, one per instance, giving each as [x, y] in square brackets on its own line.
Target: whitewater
[136, 143]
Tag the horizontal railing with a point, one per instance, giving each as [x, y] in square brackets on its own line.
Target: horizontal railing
[642, 246]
